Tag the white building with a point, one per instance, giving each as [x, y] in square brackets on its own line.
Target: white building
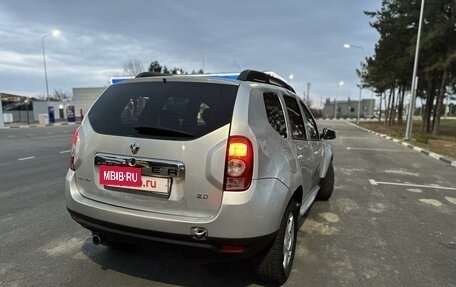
[83, 98]
[349, 109]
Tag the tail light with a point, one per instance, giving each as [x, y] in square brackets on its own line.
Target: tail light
[74, 148]
[239, 164]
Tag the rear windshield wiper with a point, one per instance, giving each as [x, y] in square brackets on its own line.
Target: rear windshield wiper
[161, 131]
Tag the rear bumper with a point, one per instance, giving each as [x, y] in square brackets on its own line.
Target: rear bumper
[250, 218]
[118, 233]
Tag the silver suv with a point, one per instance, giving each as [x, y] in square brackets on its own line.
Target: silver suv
[228, 165]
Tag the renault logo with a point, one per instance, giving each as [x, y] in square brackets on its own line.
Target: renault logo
[134, 146]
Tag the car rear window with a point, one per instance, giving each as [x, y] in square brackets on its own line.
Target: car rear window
[163, 110]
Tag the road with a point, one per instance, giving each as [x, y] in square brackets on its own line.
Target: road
[390, 222]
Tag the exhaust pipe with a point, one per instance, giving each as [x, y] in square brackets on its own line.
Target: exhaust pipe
[199, 232]
[96, 239]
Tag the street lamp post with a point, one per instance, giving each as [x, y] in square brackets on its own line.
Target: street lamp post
[54, 33]
[408, 129]
[348, 46]
[2, 124]
[359, 101]
[27, 102]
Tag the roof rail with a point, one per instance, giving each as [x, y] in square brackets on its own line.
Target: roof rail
[151, 74]
[260, 77]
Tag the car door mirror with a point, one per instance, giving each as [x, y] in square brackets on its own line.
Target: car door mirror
[328, 134]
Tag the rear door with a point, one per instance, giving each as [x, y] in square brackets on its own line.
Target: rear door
[315, 141]
[174, 133]
[302, 146]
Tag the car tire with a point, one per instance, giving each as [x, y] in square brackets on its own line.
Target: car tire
[327, 184]
[274, 264]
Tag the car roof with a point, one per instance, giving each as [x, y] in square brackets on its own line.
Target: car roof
[246, 76]
[183, 78]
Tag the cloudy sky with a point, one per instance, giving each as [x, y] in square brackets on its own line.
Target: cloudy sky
[299, 37]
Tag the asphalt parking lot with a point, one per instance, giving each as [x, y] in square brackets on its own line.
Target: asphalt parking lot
[391, 222]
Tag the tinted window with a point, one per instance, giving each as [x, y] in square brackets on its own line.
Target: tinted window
[274, 112]
[172, 110]
[310, 124]
[298, 131]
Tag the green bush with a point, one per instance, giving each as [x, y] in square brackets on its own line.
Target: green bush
[422, 137]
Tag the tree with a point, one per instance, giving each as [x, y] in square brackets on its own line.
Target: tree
[178, 71]
[439, 42]
[133, 67]
[390, 68]
[60, 95]
[155, 67]
[387, 70]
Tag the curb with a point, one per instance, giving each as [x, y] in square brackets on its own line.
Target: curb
[347, 119]
[418, 149]
[38, 125]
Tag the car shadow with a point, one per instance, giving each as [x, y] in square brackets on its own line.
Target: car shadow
[175, 266]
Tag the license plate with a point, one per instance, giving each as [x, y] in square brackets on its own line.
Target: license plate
[131, 178]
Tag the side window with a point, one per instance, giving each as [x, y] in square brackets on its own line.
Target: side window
[298, 130]
[274, 113]
[310, 123]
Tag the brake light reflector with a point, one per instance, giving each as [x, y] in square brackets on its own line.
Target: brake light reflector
[232, 249]
[74, 148]
[239, 164]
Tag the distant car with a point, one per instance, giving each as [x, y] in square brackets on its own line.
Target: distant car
[227, 165]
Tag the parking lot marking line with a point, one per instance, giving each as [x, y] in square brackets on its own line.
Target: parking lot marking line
[376, 149]
[65, 151]
[27, 158]
[11, 136]
[374, 182]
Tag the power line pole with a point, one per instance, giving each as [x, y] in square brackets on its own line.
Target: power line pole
[203, 62]
[308, 92]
